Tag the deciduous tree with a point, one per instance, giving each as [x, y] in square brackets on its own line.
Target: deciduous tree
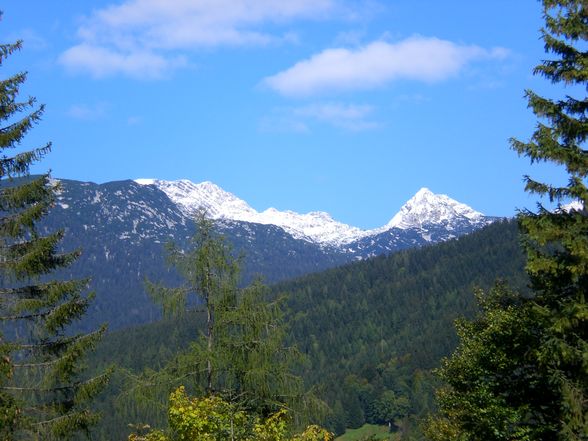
[214, 419]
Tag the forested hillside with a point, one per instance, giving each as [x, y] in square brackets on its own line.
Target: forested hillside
[372, 330]
[382, 324]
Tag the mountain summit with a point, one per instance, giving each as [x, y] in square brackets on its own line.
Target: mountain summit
[423, 211]
[426, 207]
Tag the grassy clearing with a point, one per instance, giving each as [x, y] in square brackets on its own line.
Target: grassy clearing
[381, 433]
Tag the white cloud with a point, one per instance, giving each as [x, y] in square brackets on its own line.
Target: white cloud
[416, 58]
[350, 117]
[141, 38]
[188, 23]
[101, 62]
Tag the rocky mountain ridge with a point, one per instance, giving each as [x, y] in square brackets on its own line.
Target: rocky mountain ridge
[423, 211]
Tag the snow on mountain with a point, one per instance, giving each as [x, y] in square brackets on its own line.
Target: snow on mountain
[423, 208]
[316, 226]
[190, 197]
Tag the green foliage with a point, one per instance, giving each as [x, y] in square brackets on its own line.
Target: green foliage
[240, 357]
[378, 327]
[521, 369]
[366, 432]
[389, 407]
[210, 275]
[42, 390]
[207, 419]
[494, 385]
[557, 241]
[213, 419]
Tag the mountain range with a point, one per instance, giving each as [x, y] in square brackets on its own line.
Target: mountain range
[122, 227]
[423, 212]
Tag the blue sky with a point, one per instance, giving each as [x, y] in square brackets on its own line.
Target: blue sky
[343, 106]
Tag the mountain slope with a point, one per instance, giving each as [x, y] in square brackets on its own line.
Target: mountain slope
[367, 327]
[316, 226]
[122, 228]
[383, 323]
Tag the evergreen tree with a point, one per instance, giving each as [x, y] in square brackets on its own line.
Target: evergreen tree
[495, 388]
[42, 393]
[556, 241]
[521, 369]
[210, 276]
[240, 357]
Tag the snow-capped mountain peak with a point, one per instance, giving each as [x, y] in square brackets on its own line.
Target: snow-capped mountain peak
[426, 207]
[316, 226]
[190, 197]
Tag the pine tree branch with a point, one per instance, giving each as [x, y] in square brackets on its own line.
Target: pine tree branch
[62, 342]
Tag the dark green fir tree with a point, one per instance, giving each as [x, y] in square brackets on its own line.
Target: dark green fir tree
[556, 241]
[521, 369]
[43, 394]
